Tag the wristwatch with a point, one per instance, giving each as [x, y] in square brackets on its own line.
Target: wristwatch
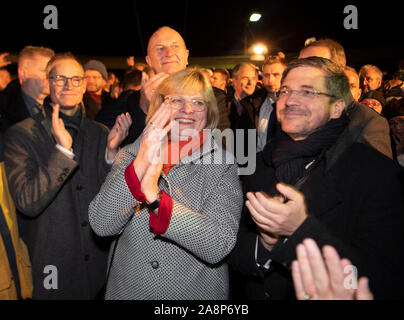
[155, 204]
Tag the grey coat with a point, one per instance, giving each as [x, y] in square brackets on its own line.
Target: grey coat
[52, 193]
[188, 261]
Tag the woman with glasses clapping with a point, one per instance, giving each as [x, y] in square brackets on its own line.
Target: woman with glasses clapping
[173, 198]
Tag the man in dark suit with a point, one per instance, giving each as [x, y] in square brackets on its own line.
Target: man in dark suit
[24, 96]
[315, 179]
[263, 100]
[56, 162]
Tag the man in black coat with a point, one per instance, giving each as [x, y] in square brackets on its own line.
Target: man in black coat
[24, 96]
[56, 163]
[263, 100]
[314, 180]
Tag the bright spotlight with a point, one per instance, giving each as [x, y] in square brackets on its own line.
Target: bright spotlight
[255, 17]
[260, 49]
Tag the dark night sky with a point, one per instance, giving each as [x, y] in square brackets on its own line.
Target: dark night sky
[210, 28]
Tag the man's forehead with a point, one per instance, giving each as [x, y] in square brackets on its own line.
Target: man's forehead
[93, 72]
[66, 66]
[35, 60]
[246, 70]
[165, 36]
[352, 76]
[370, 73]
[273, 66]
[304, 76]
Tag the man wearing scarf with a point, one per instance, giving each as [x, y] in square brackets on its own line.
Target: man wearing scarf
[56, 163]
[313, 180]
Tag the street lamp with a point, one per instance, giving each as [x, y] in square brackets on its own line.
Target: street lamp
[259, 50]
[254, 17]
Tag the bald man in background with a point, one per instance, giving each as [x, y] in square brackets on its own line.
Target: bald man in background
[166, 54]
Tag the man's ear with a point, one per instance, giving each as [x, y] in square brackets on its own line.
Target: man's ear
[21, 74]
[148, 61]
[187, 55]
[337, 108]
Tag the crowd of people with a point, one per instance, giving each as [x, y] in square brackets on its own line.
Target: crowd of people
[120, 188]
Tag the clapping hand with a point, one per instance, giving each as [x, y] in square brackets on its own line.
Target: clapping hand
[117, 134]
[274, 215]
[59, 132]
[318, 278]
[152, 140]
[3, 61]
[149, 85]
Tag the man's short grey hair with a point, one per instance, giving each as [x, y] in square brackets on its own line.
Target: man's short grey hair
[367, 67]
[29, 52]
[61, 56]
[337, 51]
[238, 66]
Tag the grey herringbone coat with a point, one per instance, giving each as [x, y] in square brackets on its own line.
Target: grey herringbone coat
[189, 260]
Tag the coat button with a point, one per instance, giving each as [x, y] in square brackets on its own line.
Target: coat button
[79, 187]
[60, 179]
[84, 224]
[66, 170]
[86, 257]
[154, 264]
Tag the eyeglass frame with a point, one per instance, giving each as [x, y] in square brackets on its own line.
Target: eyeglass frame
[66, 79]
[313, 93]
[185, 103]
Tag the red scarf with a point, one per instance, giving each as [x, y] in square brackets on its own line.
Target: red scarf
[97, 98]
[176, 151]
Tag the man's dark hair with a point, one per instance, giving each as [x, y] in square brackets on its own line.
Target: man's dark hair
[131, 78]
[224, 72]
[336, 82]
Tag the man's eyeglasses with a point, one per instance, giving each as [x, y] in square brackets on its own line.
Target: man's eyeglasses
[61, 81]
[178, 103]
[305, 93]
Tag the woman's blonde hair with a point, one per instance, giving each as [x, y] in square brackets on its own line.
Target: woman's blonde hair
[189, 81]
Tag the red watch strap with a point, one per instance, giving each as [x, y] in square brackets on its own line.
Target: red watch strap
[160, 222]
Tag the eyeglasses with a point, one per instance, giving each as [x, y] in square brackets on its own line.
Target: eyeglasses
[305, 93]
[178, 103]
[61, 81]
